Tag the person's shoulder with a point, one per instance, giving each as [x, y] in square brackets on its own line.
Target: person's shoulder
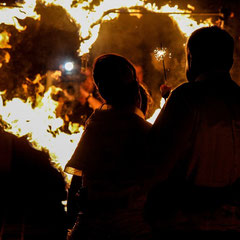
[184, 87]
[185, 90]
[134, 121]
[143, 122]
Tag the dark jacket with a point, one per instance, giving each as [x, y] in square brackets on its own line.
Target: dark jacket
[32, 191]
[110, 154]
[197, 140]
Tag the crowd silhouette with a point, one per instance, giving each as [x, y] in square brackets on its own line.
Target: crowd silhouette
[134, 180]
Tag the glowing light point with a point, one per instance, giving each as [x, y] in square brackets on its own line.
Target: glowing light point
[69, 66]
[160, 53]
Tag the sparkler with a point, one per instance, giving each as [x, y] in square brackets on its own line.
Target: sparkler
[159, 54]
[4, 39]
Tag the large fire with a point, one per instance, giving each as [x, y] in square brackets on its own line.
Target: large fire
[10, 16]
[40, 125]
[40, 122]
[89, 18]
[89, 21]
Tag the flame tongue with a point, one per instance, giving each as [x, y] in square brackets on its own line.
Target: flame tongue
[9, 15]
[4, 39]
[89, 17]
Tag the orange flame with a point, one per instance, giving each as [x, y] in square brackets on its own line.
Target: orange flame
[185, 23]
[4, 39]
[89, 19]
[9, 15]
[40, 125]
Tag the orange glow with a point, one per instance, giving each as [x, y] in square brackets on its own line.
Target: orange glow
[89, 21]
[4, 39]
[9, 15]
[40, 125]
[184, 21]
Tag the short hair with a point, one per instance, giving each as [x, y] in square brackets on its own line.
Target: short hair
[211, 46]
[115, 77]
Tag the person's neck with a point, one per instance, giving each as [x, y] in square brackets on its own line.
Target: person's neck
[215, 73]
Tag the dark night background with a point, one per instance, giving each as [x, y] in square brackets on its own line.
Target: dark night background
[45, 45]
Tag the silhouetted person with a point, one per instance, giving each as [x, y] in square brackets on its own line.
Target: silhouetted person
[76, 182]
[32, 191]
[196, 144]
[109, 155]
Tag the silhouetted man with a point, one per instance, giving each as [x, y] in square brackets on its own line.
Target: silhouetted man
[196, 139]
[32, 191]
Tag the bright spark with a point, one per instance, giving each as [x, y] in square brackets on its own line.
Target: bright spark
[160, 53]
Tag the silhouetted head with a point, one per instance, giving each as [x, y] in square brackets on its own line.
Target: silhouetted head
[209, 49]
[115, 78]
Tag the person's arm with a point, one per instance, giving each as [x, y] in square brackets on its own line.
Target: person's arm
[171, 135]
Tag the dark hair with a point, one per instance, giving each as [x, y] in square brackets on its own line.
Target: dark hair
[115, 78]
[211, 47]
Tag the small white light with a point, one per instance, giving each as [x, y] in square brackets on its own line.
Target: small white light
[69, 66]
